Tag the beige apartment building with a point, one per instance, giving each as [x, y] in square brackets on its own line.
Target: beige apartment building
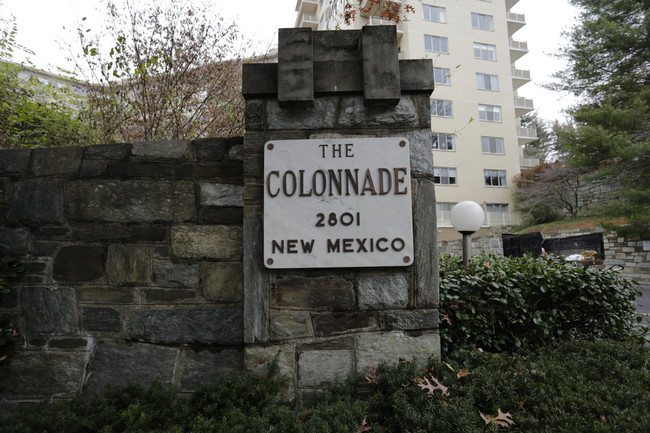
[475, 108]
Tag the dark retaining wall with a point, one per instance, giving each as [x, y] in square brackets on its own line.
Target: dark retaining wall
[132, 256]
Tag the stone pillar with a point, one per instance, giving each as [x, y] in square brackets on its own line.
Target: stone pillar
[322, 324]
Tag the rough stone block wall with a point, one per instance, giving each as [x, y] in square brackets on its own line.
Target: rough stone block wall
[133, 265]
[323, 324]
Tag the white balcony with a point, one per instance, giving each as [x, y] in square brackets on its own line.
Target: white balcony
[307, 7]
[307, 20]
[510, 4]
[523, 106]
[518, 49]
[515, 22]
[369, 9]
[520, 77]
[376, 21]
[526, 135]
[525, 162]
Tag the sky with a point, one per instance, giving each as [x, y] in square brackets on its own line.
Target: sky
[41, 23]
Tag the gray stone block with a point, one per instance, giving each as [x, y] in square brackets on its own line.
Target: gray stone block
[49, 310]
[416, 75]
[318, 367]
[295, 67]
[334, 77]
[34, 201]
[336, 46]
[341, 323]
[412, 320]
[42, 375]
[79, 263]
[259, 80]
[116, 365]
[376, 348]
[222, 281]
[216, 242]
[174, 274]
[171, 149]
[128, 169]
[321, 115]
[425, 239]
[169, 296]
[105, 295]
[116, 151]
[219, 324]
[130, 201]
[285, 326]
[316, 293]
[213, 149]
[100, 319]
[354, 113]
[221, 194]
[383, 292]
[207, 365]
[14, 161]
[381, 72]
[16, 240]
[53, 161]
[128, 264]
[255, 114]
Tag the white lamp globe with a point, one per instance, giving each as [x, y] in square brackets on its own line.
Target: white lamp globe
[467, 216]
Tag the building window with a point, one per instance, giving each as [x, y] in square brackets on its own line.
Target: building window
[493, 177]
[441, 108]
[437, 44]
[485, 51]
[444, 141]
[442, 76]
[443, 213]
[492, 145]
[482, 22]
[497, 214]
[444, 175]
[489, 113]
[487, 82]
[434, 13]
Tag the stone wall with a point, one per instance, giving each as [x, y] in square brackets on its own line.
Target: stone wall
[133, 265]
[322, 324]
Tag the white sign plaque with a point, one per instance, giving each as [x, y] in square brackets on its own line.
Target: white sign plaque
[337, 203]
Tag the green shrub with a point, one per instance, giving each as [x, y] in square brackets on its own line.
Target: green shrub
[578, 386]
[503, 303]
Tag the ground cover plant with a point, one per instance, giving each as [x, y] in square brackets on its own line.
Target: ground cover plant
[578, 386]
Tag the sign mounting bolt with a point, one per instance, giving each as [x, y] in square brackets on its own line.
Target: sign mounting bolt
[407, 259]
[402, 143]
[269, 261]
[270, 146]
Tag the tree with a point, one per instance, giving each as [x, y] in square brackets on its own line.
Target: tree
[349, 10]
[608, 56]
[547, 192]
[33, 113]
[162, 70]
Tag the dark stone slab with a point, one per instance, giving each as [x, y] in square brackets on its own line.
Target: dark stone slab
[129, 264]
[44, 248]
[49, 311]
[219, 324]
[16, 240]
[411, 320]
[42, 375]
[321, 115]
[105, 295]
[53, 161]
[214, 149]
[354, 113]
[140, 169]
[120, 364]
[79, 263]
[381, 73]
[208, 364]
[255, 114]
[285, 326]
[93, 168]
[148, 233]
[259, 80]
[223, 215]
[424, 237]
[335, 77]
[168, 296]
[52, 232]
[318, 293]
[68, 343]
[295, 67]
[164, 149]
[215, 170]
[100, 319]
[117, 151]
[336, 46]
[174, 274]
[14, 161]
[416, 75]
[35, 201]
[130, 201]
[9, 300]
[337, 323]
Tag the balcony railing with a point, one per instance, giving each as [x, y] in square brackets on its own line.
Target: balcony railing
[526, 162]
[306, 6]
[523, 106]
[515, 22]
[526, 135]
[517, 49]
[308, 20]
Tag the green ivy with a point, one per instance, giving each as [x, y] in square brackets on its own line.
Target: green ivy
[503, 303]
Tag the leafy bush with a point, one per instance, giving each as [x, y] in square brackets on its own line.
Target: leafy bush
[576, 386]
[502, 303]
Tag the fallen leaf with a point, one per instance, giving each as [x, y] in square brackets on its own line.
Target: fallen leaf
[462, 373]
[603, 419]
[426, 385]
[372, 377]
[502, 419]
[449, 366]
[445, 318]
[521, 404]
[363, 427]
